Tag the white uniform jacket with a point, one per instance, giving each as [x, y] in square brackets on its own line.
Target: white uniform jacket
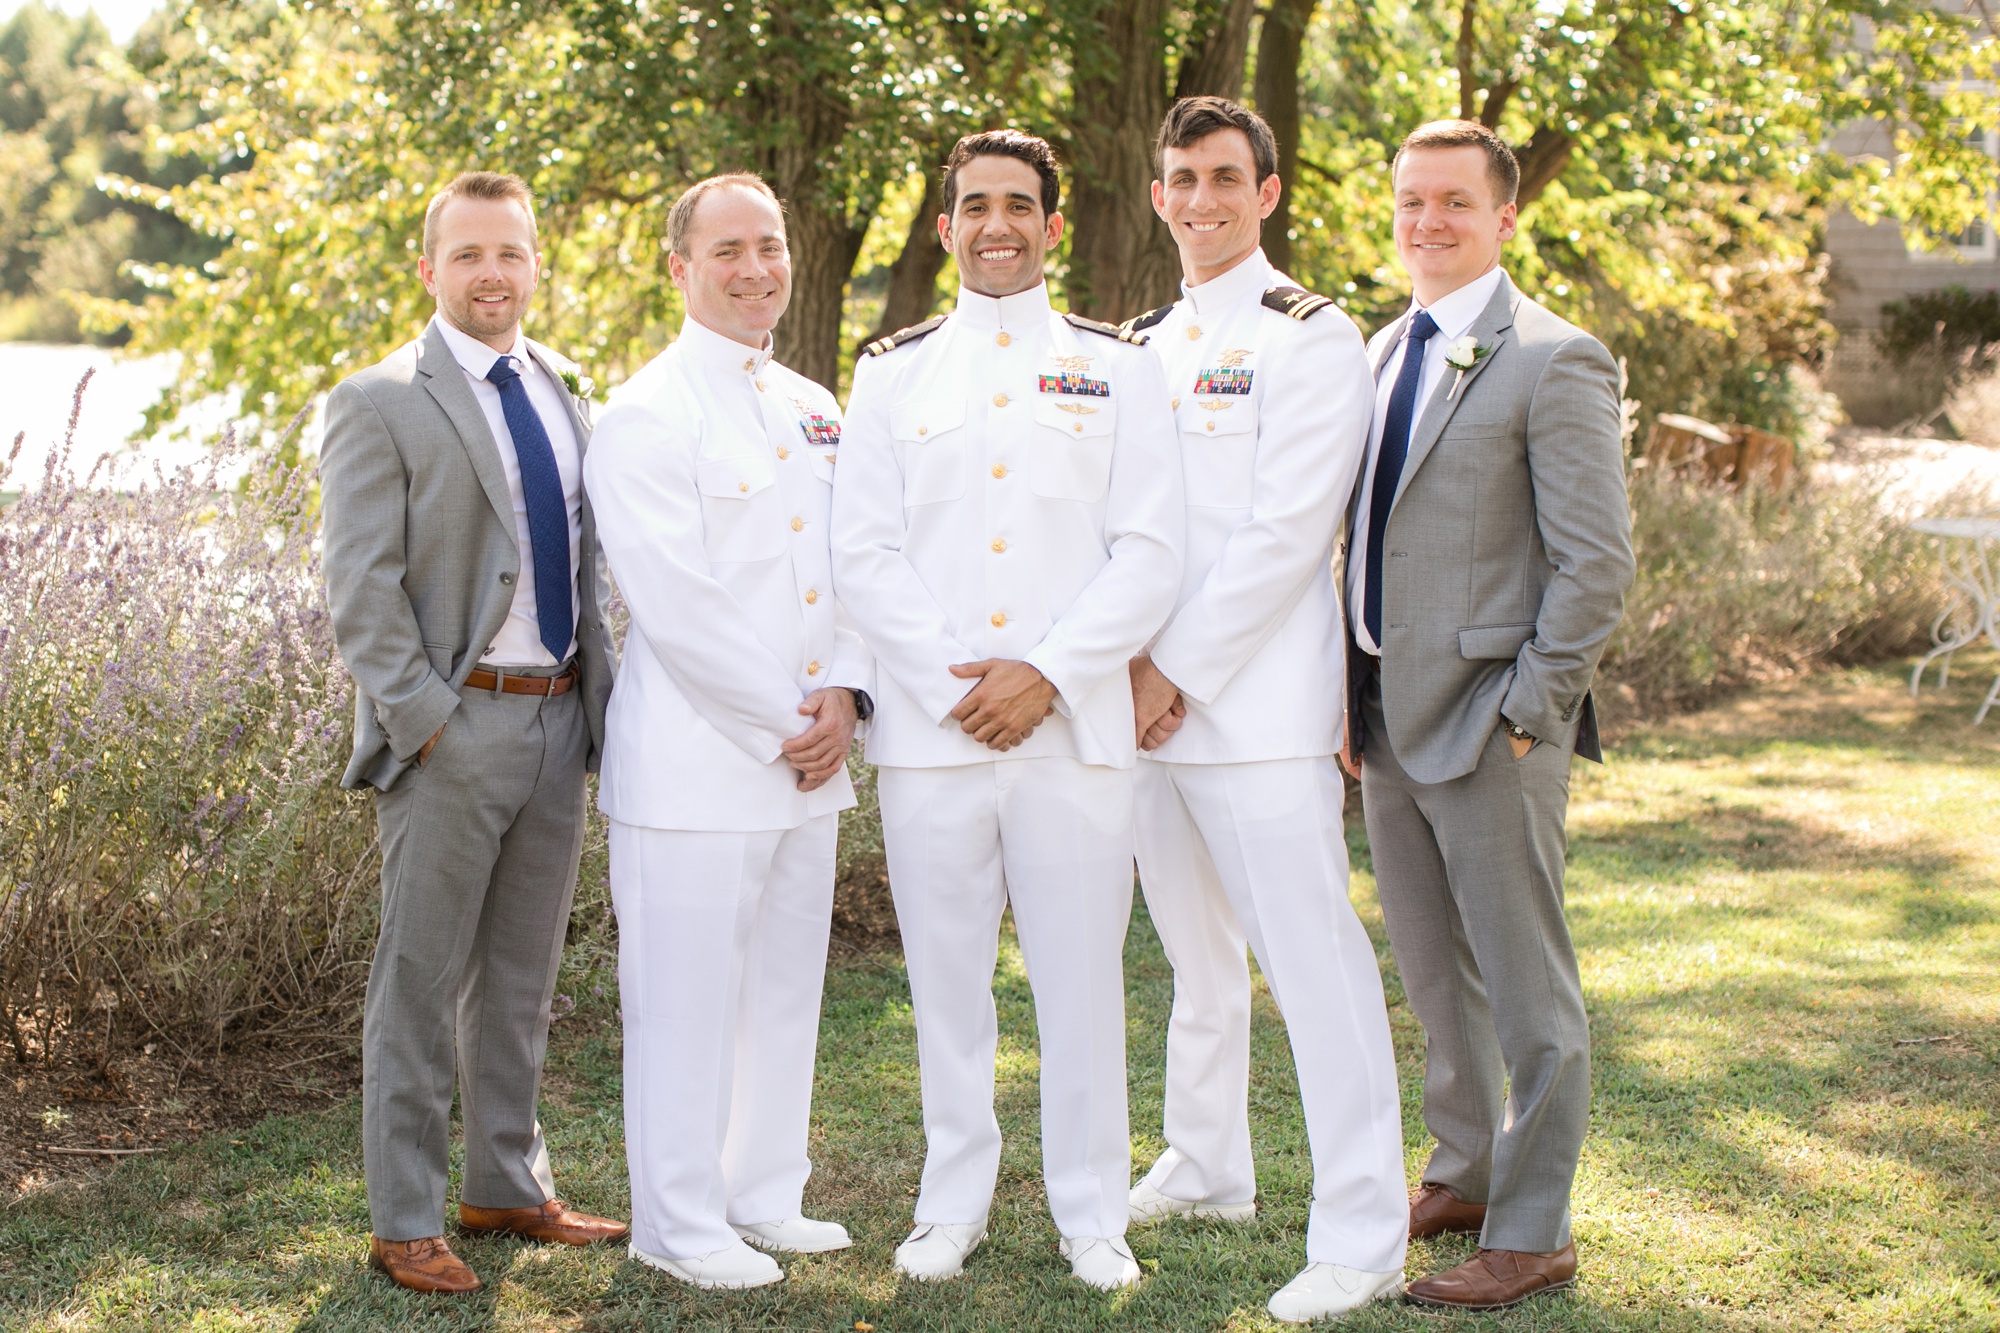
[1008, 489]
[1272, 411]
[711, 474]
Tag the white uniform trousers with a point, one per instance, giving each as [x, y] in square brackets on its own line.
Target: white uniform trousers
[1254, 850]
[721, 954]
[1053, 837]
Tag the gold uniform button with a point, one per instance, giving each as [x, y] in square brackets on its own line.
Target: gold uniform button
[1211, 425]
[812, 668]
[999, 619]
[798, 525]
[999, 545]
[1079, 428]
[923, 430]
[1193, 332]
[1175, 403]
[783, 453]
[999, 471]
[742, 485]
[999, 400]
[760, 386]
[812, 595]
[1003, 339]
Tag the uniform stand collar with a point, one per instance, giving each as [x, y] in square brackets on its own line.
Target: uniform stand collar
[1015, 314]
[1251, 277]
[723, 356]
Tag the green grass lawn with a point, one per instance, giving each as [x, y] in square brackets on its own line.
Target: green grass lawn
[1773, 901]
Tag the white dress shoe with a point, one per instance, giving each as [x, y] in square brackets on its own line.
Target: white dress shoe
[718, 1270]
[1325, 1290]
[1104, 1262]
[936, 1250]
[1146, 1205]
[794, 1235]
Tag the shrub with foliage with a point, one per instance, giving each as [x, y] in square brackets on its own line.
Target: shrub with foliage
[176, 857]
[1735, 587]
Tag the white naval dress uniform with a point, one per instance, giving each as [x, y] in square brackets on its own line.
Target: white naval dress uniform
[711, 474]
[1239, 812]
[1008, 489]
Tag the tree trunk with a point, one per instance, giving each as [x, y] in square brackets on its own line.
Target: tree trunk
[824, 248]
[913, 277]
[1121, 259]
[1542, 160]
[1280, 47]
[1214, 66]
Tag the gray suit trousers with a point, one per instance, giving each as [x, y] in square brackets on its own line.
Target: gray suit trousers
[1470, 874]
[479, 855]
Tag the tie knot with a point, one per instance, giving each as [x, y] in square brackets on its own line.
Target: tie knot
[1422, 327]
[503, 371]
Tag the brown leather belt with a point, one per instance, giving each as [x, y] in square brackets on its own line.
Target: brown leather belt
[546, 686]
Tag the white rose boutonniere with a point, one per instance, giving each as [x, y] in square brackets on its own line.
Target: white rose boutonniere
[1462, 356]
[579, 386]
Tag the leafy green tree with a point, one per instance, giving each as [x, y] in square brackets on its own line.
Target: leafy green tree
[72, 109]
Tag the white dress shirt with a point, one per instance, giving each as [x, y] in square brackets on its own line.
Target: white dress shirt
[1009, 489]
[711, 476]
[519, 642]
[1272, 413]
[1455, 314]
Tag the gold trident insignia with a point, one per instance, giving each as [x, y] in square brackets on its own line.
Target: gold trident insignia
[1078, 364]
[1233, 358]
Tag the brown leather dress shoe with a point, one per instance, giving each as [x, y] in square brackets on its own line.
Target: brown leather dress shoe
[1436, 1211]
[422, 1265]
[1496, 1279]
[554, 1221]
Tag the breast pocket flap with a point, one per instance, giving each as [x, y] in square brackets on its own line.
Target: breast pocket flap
[734, 478]
[1078, 419]
[1483, 642]
[1230, 417]
[924, 419]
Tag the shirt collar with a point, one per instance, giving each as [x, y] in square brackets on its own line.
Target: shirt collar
[1252, 276]
[1017, 313]
[1456, 312]
[718, 353]
[477, 358]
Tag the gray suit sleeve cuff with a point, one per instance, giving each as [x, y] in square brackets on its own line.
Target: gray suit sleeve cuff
[409, 725]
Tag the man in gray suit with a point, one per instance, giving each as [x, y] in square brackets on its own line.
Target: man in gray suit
[1489, 552]
[468, 601]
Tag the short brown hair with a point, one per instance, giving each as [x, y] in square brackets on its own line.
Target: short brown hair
[1193, 119]
[1501, 168]
[1004, 143]
[680, 219]
[477, 185]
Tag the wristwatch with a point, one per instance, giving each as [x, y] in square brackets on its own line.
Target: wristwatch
[1517, 732]
[864, 707]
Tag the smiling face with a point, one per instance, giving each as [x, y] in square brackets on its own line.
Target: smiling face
[1212, 203]
[1449, 223]
[737, 273]
[483, 267]
[997, 231]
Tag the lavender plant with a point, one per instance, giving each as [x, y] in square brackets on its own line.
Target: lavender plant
[176, 857]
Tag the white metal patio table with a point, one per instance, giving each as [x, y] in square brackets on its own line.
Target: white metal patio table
[1968, 548]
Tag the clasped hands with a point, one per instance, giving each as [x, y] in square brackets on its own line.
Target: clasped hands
[1157, 707]
[1007, 704]
[820, 751]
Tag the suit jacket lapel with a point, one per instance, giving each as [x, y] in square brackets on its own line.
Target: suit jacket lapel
[1490, 331]
[1386, 343]
[445, 379]
[555, 366]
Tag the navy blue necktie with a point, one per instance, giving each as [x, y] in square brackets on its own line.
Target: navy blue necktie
[1389, 459]
[548, 511]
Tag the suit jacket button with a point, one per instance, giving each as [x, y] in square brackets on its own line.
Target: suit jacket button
[507, 579]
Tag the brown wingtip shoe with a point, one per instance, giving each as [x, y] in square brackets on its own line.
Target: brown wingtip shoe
[1436, 1211]
[554, 1220]
[426, 1265]
[1496, 1279]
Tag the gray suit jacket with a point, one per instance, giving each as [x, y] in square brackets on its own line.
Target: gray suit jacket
[1509, 548]
[420, 552]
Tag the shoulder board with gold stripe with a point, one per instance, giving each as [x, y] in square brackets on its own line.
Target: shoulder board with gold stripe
[1149, 319]
[1296, 302]
[1108, 330]
[901, 336]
